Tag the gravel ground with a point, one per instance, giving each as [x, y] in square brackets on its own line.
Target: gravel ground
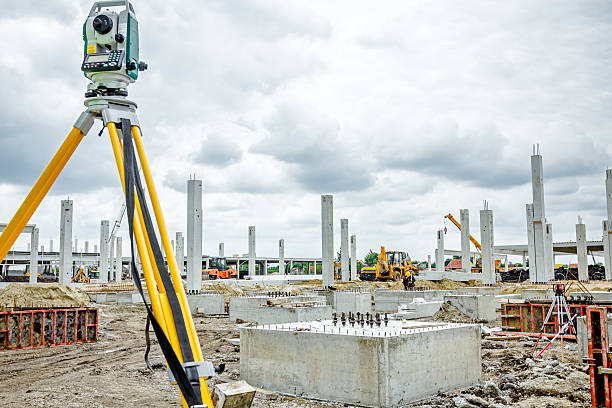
[112, 372]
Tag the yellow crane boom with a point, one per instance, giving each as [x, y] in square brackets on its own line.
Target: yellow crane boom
[454, 221]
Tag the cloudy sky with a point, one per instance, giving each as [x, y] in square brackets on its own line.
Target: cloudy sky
[403, 110]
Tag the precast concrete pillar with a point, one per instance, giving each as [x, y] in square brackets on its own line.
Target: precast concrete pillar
[96, 248]
[265, 267]
[327, 240]
[194, 235]
[607, 236]
[607, 246]
[180, 252]
[111, 259]
[221, 249]
[34, 255]
[65, 266]
[252, 251]
[86, 247]
[440, 252]
[118, 260]
[464, 219]
[76, 245]
[50, 245]
[531, 243]
[103, 268]
[542, 260]
[344, 250]
[487, 242]
[353, 275]
[548, 255]
[429, 262]
[281, 256]
[581, 253]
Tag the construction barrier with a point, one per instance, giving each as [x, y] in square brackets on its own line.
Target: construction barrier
[48, 327]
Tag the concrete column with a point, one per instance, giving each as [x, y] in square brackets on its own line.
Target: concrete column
[194, 235]
[607, 252]
[221, 249]
[428, 262]
[86, 246]
[65, 254]
[281, 256]
[50, 245]
[265, 267]
[464, 219]
[607, 236]
[180, 252]
[530, 243]
[103, 268]
[34, 255]
[548, 254]
[111, 259]
[252, 251]
[118, 260]
[353, 258]
[581, 252]
[542, 261]
[96, 248]
[327, 240]
[440, 252]
[344, 250]
[76, 244]
[487, 241]
[290, 266]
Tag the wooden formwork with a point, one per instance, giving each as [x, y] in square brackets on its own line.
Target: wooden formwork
[527, 318]
[47, 327]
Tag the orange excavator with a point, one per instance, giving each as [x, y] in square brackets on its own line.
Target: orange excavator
[218, 269]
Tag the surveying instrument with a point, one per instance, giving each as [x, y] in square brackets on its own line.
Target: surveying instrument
[111, 62]
[564, 319]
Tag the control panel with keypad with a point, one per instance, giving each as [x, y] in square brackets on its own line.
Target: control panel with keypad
[104, 61]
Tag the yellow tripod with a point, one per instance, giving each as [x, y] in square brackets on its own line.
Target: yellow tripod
[167, 296]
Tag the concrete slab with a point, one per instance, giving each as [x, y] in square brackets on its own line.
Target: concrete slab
[207, 304]
[481, 308]
[387, 301]
[479, 290]
[365, 366]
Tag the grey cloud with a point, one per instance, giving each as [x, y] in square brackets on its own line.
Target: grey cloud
[309, 141]
[217, 151]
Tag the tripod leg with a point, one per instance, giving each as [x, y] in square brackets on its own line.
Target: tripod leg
[172, 266]
[44, 183]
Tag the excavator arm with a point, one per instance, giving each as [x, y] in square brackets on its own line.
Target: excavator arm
[474, 241]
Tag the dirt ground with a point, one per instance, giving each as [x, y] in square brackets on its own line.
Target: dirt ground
[112, 372]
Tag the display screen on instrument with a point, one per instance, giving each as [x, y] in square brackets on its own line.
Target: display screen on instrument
[97, 58]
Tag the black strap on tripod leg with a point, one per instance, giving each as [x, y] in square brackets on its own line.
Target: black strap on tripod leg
[187, 390]
[148, 341]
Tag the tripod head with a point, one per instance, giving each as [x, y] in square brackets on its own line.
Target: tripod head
[111, 59]
[559, 288]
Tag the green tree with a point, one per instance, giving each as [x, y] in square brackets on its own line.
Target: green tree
[371, 258]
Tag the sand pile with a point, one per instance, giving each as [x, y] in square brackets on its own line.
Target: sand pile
[449, 313]
[446, 284]
[42, 295]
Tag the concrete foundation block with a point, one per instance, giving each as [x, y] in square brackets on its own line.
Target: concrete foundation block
[352, 302]
[387, 301]
[376, 367]
[236, 394]
[482, 290]
[208, 304]
[417, 309]
[538, 294]
[597, 296]
[266, 310]
[481, 308]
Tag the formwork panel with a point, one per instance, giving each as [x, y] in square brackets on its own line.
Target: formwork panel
[51, 327]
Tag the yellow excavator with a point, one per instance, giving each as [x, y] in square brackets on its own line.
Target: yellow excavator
[478, 266]
[391, 265]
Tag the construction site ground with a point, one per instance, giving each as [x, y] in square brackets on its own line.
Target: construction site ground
[112, 372]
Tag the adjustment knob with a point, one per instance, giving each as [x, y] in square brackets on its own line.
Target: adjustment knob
[119, 38]
[142, 66]
[131, 66]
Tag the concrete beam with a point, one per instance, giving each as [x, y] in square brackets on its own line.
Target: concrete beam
[353, 257]
[252, 251]
[440, 251]
[464, 217]
[344, 250]
[65, 266]
[103, 268]
[487, 241]
[581, 249]
[194, 235]
[34, 255]
[327, 240]
[281, 256]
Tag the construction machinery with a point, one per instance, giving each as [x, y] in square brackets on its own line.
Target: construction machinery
[218, 269]
[474, 241]
[391, 265]
[81, 276]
